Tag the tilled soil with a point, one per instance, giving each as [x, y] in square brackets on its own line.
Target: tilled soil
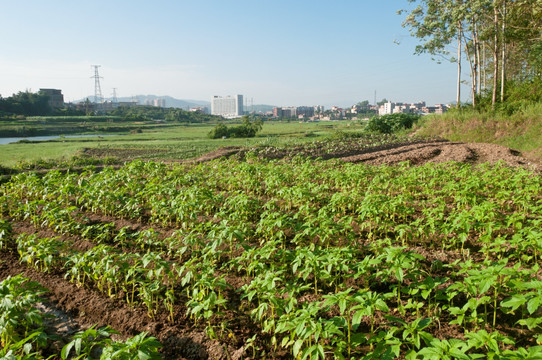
[415, 152]
[439, 152]
[76, 308]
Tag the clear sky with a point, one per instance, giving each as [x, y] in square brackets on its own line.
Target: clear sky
[275, 52]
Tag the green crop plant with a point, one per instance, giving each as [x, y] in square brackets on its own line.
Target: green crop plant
[527, 297]
[491, 344]
[305, 334]
[413, 332]
[532, 353]
[140, 347]
[344, 301]
[445, 350]
[20, 322]
[5, 234]
[307, 262]
[401, 265]
[41, 253]
[85, 344]
[366, 304]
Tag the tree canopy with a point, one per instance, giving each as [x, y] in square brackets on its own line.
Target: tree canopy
[26, 103]
[500, 40]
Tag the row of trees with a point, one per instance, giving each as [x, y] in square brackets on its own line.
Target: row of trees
[37, 104]
[26, 103]
[500, 40]
[167, 114]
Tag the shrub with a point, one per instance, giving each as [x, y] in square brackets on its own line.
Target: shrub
[390, 123]
[245, 130]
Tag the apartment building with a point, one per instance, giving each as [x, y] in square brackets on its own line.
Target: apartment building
[228, 107]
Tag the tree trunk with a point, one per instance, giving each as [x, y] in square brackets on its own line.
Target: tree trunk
[478, 63]
[459, 44]
[503, 59]
[495, 54]
[473, 70]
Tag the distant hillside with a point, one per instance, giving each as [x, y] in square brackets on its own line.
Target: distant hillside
[171, 102]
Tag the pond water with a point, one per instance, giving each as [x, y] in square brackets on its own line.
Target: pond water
[10, 140]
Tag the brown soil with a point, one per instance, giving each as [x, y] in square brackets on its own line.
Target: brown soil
[217, 154]
[439, 152]
[75, 308]
[416, 152]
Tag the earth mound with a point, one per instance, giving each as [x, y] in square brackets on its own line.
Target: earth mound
[417, 152]
[439, 152]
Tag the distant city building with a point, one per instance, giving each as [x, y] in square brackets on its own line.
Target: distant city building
[56, 99]
[296, 112]
[228, 107]
[155, 102]
[305, 111]
[416, 108]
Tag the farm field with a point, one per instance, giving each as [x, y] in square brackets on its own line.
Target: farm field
[156, 141]
[296, 257]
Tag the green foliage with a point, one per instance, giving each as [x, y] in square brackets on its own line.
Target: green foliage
[86, 343]
[519, 95]
[248, 128]
[140, 347]
[391, 123]
[325, 256]
[20, 322]
[142, 113]
[26, 103]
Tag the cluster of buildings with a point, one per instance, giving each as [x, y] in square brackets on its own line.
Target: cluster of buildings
[337, 113]
[232, 107]
[302, 112]
[414, 108]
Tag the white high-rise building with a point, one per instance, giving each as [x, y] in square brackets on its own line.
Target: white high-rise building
[228, 107]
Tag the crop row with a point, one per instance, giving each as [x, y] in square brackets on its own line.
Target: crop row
[23, 335]
[327, 257]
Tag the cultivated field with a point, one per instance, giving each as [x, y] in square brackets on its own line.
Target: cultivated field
[246, 257]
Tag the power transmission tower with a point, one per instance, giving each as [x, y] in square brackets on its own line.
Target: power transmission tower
[115, 100]
[98, 98]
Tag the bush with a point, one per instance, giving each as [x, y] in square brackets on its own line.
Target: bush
[391, 123]
[245, 130]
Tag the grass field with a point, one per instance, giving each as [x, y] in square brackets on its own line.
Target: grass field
[164, 141]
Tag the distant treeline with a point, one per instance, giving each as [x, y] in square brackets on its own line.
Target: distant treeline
[167, 114]
[36, 104]
[25, 103]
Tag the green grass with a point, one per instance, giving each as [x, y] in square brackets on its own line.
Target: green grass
[521, 131]
[165, 141]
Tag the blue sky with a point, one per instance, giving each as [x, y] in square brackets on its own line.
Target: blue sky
[275, 52]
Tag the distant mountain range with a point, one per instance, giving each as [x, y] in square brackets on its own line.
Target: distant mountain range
[171, 102]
